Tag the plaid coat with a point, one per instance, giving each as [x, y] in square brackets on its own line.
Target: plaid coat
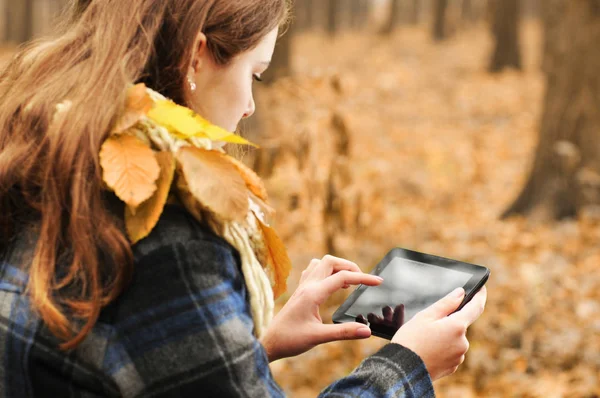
[182, 329]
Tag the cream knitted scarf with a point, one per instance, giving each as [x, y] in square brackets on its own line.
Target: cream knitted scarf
[159, 152]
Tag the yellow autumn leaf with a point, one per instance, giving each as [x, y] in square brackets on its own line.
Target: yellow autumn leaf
[214, 182]
[185, 123]
[253, 181]
[138, 104]
[130, 168]
[279, 264]
[141, 221]
[216, 133]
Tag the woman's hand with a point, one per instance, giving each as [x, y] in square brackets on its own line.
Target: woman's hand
[438, 335]
[298, 326]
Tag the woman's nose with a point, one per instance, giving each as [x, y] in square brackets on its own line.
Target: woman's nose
[251, 108]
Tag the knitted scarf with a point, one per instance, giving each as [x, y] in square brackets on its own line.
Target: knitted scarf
[159, 152]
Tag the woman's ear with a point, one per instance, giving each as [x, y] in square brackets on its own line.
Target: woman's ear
[199, 54]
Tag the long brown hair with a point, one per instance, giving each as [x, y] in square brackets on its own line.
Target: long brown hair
[49, 163]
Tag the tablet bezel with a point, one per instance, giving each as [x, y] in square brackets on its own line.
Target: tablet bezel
[479, 276]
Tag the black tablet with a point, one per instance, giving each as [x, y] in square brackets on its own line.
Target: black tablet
[412, 281]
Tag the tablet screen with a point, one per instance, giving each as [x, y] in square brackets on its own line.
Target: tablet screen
[416, 285]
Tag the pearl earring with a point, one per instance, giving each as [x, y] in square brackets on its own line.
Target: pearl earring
[192, 84]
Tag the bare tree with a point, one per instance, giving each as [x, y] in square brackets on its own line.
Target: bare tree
[505, 27]
[466, 11]
[19, 21]
[311, 20]
[282, 57]
[333, 10]
[365, 12]
[565, 177]
[415, 12]
[359, 13]
[475, 10]
[393, 17]
[440, 8]
[23, 20]
[302, 14]
[532, 8]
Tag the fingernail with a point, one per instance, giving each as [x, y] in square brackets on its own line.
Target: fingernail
[363, 332]
[380, 279]
[459, 292]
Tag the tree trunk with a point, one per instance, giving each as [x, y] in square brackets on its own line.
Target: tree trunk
[439, 19]
[25, 19]
[532, 9]
[506, 32]
[301, 11]
[365, 12]
[481, 10]
[393, 18]
[19, 27]
[473, 11]
[415, 12]
[3, 20]
[565, 177]
[466, 11]
[333, 7]
[357, 14]
[310, 14]
[282, 57]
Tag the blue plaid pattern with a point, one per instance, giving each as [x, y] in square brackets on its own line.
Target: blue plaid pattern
[182, 329]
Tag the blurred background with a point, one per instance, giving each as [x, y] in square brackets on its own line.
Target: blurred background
[464, 128]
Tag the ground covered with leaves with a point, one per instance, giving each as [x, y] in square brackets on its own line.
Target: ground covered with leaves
[383, 142]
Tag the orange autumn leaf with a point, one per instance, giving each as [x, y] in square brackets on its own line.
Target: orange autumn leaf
[214, 182]
[268, 213]
[130, 168]
[253, 181]
[141, 222]
[279, 261]
[138, 104]
[185, 197]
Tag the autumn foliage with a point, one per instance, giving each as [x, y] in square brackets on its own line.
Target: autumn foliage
[159, 151]
[434, 148]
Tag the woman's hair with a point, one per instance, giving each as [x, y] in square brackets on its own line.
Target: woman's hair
[49, 165]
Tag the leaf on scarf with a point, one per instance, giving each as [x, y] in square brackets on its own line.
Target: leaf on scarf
[279, 264]
[267, 213]
[130, 168]
[215, 133]
[214, 182]
[185, 197]
[185, 123]
[141, 221]
[253, 181]
[138, 104]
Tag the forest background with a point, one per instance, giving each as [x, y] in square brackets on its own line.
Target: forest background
[464, 128]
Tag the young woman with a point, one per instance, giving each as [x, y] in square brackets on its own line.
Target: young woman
[128, 278]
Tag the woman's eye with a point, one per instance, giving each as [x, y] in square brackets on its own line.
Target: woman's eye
[257, 78]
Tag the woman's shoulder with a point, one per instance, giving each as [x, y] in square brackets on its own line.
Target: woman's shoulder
[180, 259]
[177, 226]
[185, 253]
[184, 305]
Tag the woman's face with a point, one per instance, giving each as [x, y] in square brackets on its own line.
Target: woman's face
[223, 94]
